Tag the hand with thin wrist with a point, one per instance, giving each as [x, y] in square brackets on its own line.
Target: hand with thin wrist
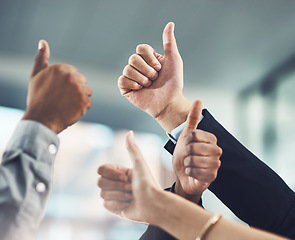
[128, 192]
[58, 95]
[154, 83]
[195, 158]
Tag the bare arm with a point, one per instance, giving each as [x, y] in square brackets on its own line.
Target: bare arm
[174, 214]
[185, 220]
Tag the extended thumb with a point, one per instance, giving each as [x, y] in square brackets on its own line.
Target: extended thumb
[134, 152]
[193, 117]
[169, 41]
[42, 57]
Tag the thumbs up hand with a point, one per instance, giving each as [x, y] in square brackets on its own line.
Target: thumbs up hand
[57, 95]
[195, 158]
[129, 192]
[154, 83]
[144, 186]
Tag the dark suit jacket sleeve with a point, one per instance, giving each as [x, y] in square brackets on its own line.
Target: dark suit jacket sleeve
[252, 190]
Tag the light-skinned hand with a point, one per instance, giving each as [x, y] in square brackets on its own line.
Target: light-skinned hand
[154, 83]
[115, 185]
[127, 191]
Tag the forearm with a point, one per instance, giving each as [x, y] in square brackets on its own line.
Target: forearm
[177, 215]
[185, 220]
[25, 183]
[174, 114]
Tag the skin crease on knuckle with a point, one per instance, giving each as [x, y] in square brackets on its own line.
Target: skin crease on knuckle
[121, 82]
[202, 174]
[105, 170]
[127, 71]
[102, 194]
[136, 62]
[147, 83]
[56, 68]
[141, 48]
[126, 85]
[194, 148]
[133, 59]
[202, 136]
[100, 182]
[70, 78]
[194, 135]
[203, 149]
[89, 104]
[151, 73]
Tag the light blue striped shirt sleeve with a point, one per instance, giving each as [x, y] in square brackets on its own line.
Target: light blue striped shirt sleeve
[175, 133]
[25, 179]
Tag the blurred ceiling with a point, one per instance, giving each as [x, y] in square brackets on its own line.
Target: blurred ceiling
[226, 45]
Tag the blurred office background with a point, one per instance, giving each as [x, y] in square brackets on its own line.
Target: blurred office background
[239, 58]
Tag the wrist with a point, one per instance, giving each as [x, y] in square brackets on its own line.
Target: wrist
[157, 206]
[174, 114]
[195, 198]
[44, 120]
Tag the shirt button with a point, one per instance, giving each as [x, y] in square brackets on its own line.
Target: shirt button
[40, 187]
[52, 149]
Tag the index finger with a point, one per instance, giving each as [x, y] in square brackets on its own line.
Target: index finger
[149, 56]
[113, 172]
[201, 136]
[65, 67]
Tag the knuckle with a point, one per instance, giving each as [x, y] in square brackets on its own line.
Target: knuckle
[151, 73]
[202, 162]
[214, 175]
[100, 169]
[102, 194]
[194, 135]
[121, 81]
[106, 205]
[99, 182]
[189, 149]
[127, 70]
[90, 102]
[141, 48]
[219, 151]
[90, 91]
[198, 174]
[190, 160]
[133, 59]
[58, 66]
[69, 78]
[146, 82]
[218, 163]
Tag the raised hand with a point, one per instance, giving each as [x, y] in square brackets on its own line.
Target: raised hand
[154, 83]
[58, 95]
[128, 192]
[195, 158]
